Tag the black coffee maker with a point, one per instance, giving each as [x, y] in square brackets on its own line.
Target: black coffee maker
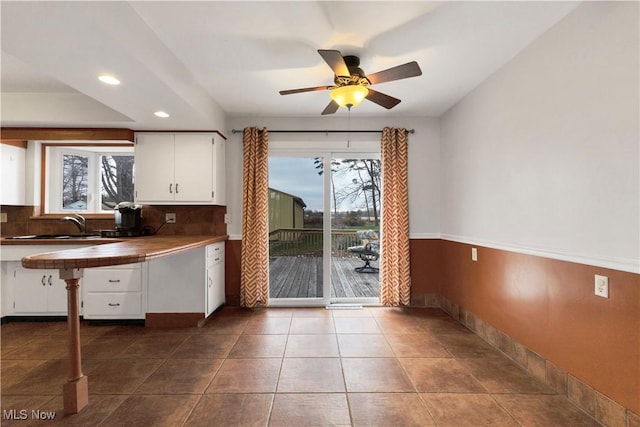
[128, 218]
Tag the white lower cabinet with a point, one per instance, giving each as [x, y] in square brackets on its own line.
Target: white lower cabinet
[215, 277]
[188, 282]
[35, 292]
[116, 292]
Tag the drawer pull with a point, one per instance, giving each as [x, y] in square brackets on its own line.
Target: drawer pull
[114, 281]
[216, 259]
[114, 305]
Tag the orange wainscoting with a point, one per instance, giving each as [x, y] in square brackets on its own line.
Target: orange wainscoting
[549, 306]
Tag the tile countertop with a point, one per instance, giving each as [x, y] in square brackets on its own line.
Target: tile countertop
[117, 251]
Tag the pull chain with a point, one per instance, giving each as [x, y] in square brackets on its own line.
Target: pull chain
[349, 126]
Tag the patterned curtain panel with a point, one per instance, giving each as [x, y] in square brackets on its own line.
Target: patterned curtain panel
[254, 268]
[395, 283]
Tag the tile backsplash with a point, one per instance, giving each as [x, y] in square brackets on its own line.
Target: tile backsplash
[190, 220]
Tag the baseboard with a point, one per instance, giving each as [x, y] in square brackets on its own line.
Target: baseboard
[425, 300]
[173, 320]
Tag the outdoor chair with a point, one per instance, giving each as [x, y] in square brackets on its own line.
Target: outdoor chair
[367, 251]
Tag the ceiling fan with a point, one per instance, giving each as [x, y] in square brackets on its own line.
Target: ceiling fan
[352, 85]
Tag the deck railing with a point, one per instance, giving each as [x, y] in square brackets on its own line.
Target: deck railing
[308, 242]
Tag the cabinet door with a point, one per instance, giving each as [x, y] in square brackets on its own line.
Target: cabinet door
[56, 292]
[211, 295]
[154, 179]
[13, 174]
[219, 170]
[218, 282]
[29, 290]
[193, 167]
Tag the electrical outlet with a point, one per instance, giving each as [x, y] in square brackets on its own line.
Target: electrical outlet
[170, 218]
[3, 217]
[474, 254]
[602, 286]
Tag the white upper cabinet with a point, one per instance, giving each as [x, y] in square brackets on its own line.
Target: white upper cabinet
[179, 168]
[13, 179]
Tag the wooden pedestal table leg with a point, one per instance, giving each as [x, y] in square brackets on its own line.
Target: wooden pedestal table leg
[76, 390]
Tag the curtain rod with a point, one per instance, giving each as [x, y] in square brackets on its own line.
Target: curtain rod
[322, 131]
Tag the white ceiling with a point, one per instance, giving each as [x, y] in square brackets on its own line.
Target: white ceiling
[192, 59]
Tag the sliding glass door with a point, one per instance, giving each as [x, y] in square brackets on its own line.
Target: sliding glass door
[355, 229]
[324, 216]
[296, 235]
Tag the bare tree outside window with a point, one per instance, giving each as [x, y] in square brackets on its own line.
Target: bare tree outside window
[75, 175]
[117, 180]
[363, 188]
[359, 187]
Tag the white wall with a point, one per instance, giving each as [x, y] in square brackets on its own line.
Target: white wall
[424, 158]
[543, 157]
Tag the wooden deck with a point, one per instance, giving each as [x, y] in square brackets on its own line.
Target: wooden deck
[301, 277]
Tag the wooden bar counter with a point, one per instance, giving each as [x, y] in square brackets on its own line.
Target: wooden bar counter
[71, 264]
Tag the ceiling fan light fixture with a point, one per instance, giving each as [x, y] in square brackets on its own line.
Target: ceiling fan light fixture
[349, 96]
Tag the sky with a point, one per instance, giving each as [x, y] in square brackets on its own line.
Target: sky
[298, 176]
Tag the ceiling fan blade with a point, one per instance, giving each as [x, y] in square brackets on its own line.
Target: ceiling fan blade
[331, 108]
[336, 61]
[410, 69]
[306, 89]
[382, 99]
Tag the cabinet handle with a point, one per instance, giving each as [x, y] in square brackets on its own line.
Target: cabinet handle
[170, 187]
[114, 305]
[176, 188]
[114, 281]
[216, 259]
[42, 280]
[50, 284]
[210, 281]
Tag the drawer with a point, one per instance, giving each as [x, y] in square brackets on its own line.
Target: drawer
[134, 266]
[112, 280]
[215, 254]
[112, 304]
[215, 259]
[215, 249]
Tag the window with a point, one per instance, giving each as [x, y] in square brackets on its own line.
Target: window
[87, 178]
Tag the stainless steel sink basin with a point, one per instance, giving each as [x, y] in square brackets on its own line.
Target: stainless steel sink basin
[56, 236]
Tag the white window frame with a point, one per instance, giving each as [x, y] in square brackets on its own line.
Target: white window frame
[54, 172]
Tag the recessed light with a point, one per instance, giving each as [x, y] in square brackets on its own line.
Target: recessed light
[161, 114]
[108, 79]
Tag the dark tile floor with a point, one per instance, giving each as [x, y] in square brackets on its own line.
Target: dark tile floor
[279, 367]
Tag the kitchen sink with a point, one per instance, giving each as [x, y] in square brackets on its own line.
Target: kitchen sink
[56, 236]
